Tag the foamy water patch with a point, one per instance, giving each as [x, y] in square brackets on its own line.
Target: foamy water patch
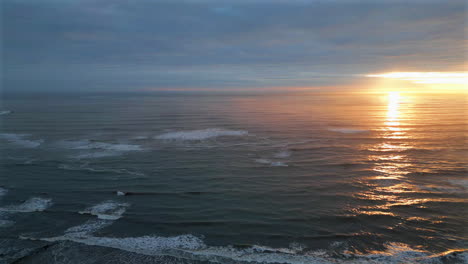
[86, 167]
[86, 229]
[35, 204]
[95, 149]
[3, 192]
[96, 145]
[21, 140]
[108, 210]
[272, 162]
[348, 130]
[192, 247]
[5, 112]
[201, 134]
[6, 223]
[461, 183]
[282, 154]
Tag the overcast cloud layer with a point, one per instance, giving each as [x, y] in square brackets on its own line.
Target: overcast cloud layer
[135, 45]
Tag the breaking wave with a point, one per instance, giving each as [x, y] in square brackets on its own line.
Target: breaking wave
[35, 204]
[108, 210]
[21, 140]
[201, 134]
[3, 192]
[5, 112]
[271, 162]
[348, 130]
[86, 167]
[283, 154]
[95, 149]
[194, 248]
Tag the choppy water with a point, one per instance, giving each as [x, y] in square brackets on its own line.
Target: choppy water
[317, 178]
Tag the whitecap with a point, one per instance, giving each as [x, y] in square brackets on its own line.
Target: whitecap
[348, 130]
[87, 228]
[86, 167]
[6, 223]
[459, 182]
[21, 140]
[192, 247]
[95, 149]
[3, 192]
[5, 112]
[201, 134]
[35, 204]
[95, 145]
[140, 137]
[282, 154]
[271, 162]
[108, 210]
[442, 189]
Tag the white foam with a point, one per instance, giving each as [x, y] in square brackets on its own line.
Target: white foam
[87, 228]
[140, 137]
[348, 130]
[35, 204]
[271, 162]
[6, 223]
[86, 167]
[21, 140]
[191, 247]
[5, 112]
[96, 149]
[3, 192]
[463, 183]
[120, 193]
[201, 134]
[94, 145]
[108, 210]
[442, 189]
[282, 154]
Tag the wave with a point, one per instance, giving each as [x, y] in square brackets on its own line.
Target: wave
[6, 223]
[348, 130]
[35, 204]
[442, 189]
[201, 134]
[459, 183]
[5, 112]
[108, 210]
[21, 140]
[87, 144]
[271, 162]
[191, 247]
[283, 154]
[140, 137]
[87, 228]
[3, 192]
[123, 193]
[85, 167]
[96, 149]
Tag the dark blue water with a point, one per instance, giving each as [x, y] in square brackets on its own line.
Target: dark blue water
[295, 178]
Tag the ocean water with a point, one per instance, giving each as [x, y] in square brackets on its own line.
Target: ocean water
[200, 178]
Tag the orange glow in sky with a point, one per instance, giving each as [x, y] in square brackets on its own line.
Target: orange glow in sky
[426, 77]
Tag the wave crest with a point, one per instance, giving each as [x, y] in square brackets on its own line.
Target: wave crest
[108, 210]
[35, 204]
[21, 140]
[201, 134]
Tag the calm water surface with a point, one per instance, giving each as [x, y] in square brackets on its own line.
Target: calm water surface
[310, 178]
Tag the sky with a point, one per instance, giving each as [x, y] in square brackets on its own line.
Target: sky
[160, 45]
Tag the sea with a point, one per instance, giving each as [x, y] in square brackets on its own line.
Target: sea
[160, 177]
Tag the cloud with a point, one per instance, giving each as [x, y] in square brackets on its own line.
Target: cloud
[122, 45]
